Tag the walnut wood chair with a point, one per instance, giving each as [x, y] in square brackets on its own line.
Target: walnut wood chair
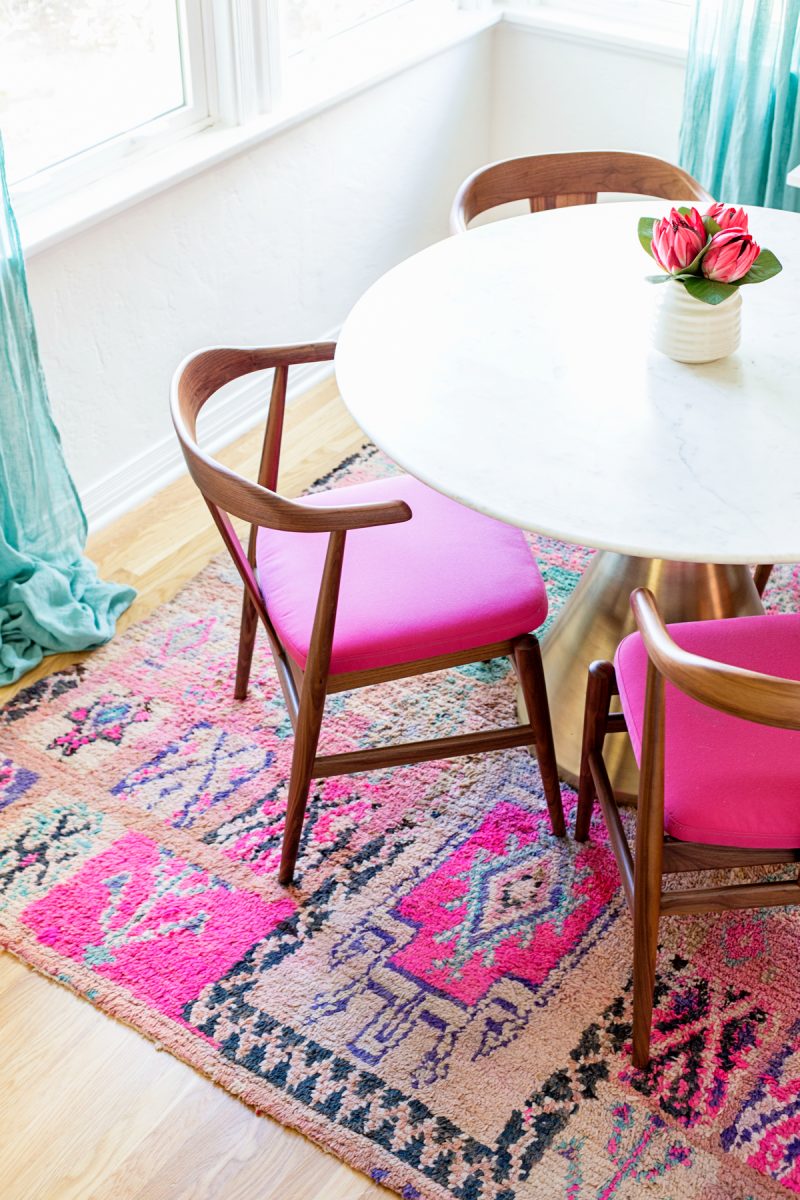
[424, 584]
[561, 180]
[712, 709]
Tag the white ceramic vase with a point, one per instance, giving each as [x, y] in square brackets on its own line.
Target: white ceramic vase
[693, 332]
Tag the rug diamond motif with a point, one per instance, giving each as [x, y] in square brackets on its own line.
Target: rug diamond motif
[506, 898]
[502, 904]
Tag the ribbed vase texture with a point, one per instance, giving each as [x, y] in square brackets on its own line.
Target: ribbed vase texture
[693, 332]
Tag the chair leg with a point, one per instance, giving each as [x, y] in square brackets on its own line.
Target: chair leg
[247, 637]
[646, 913]
[598, 703]
[312, 704]
[306, 738]
[761, 576]
[528, 661]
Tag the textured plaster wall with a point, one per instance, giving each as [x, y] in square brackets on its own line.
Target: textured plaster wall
[551, 93]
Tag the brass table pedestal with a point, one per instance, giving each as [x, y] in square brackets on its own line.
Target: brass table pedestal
[595, 619]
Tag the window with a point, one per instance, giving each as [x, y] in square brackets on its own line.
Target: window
[95, 77]
[88, 85]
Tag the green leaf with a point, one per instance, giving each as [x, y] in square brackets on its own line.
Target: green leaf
[708, 290]
[694, 266]
[684, 211]
[645, 231]
[658, 278]
[765, 266]
[711, 226]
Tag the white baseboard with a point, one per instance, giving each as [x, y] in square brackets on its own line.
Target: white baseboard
[146, 473]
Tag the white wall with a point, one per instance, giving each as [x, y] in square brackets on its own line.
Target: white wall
[552, 92]
[273, 245]
[277, 243]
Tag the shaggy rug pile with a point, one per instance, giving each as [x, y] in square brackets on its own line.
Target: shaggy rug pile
[443, 999]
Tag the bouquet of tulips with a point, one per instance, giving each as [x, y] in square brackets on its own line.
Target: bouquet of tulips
[711, 255]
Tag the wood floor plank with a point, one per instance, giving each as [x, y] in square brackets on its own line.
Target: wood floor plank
[89, 1109]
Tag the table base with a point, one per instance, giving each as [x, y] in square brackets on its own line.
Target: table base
[598, 615]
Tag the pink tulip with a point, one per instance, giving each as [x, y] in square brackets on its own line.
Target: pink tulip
[728, 217]
[730, 255]
[678, 240]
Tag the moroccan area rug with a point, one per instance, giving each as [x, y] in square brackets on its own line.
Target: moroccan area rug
[443, 999]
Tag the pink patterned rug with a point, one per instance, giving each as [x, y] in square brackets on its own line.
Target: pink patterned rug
[443, 1000]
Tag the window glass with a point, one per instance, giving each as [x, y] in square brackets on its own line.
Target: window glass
[308, 22]
[75, 73]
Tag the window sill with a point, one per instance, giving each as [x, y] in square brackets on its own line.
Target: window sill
[421, 39]
[643, 40]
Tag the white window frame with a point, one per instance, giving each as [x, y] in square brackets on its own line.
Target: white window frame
[243, 58]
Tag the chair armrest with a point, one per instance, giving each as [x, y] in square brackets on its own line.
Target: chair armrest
[765, 699]
[308, 518]
[242, 498]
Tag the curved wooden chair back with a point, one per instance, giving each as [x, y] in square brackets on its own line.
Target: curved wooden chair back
[561, 180]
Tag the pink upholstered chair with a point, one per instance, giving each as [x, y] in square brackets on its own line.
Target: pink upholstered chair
[364, 584]
[713, 711]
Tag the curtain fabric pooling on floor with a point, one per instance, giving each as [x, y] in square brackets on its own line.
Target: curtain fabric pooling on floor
[50, 596]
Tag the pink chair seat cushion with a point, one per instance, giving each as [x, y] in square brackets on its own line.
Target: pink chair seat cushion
[728, 782]
[449, 579]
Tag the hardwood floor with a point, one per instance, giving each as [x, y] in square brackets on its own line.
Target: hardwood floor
[88, 1108]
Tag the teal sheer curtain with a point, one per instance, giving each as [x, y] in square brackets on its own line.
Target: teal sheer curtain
[50, 596]
[741, 118]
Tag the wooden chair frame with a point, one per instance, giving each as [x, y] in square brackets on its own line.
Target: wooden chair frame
[765, 699]
[228, 494]
[561, 180]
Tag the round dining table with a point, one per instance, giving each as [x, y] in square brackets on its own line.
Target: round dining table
[511, 368]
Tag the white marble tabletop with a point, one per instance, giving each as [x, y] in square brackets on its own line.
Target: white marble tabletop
[510, 367]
